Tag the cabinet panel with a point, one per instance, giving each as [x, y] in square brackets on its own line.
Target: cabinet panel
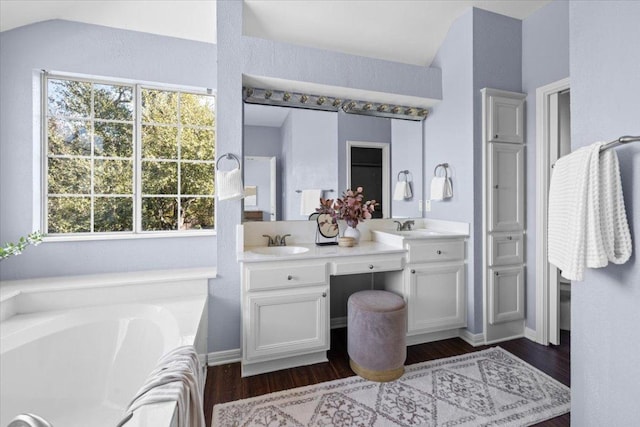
[436, 297]
[283, 276]
[506, 248]
[287, 323]
[437, 250]
[369, 265]
[506, 187]
[506, 120]
[506, 294]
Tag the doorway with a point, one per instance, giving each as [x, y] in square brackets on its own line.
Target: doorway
[553, 130]
[368, 167]
[260, 189]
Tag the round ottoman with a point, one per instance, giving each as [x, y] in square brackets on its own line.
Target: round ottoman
[376, 335]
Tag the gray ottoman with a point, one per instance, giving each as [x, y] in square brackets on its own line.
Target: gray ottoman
[376, 334]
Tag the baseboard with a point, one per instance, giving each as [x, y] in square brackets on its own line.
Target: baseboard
[338, 322]
[225, 356]
[473, 339]
[530, 334]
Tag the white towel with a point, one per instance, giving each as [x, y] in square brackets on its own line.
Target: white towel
[229, 184]
[177, 378]
[441, 188]
[309, 201]
[402, 191]
[587, 220]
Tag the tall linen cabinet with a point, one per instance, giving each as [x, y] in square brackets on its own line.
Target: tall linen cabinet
[503, 214]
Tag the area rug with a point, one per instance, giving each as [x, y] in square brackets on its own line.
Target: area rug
[489, 387]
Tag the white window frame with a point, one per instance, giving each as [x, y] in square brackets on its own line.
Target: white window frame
[136, 195]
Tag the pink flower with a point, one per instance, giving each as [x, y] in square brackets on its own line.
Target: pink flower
[349, 207]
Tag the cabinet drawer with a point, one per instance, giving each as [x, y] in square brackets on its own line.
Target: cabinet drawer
[506, 294]
[505, 248]
[282, 276]
[369, 265]
[437, 250]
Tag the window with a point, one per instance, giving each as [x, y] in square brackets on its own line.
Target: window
[127, 158]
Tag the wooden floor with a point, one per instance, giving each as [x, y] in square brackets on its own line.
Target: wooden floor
[224, 383]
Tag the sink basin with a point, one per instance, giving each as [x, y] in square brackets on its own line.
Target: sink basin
[279, 250]
[418, 233]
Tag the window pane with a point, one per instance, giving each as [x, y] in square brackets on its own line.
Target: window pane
[113, 214]
[196, 144]
[197, 213]
[159, 178]
[159, 142]
[113, 102]
[69, 214]
[69, 176]
[196, 178]
[197, 109]
[69, 137]
[69, 98]
[113, 139]
[113, 177]
[159, 106]
[159, 213]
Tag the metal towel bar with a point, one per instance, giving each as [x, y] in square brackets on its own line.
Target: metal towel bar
[622, 140]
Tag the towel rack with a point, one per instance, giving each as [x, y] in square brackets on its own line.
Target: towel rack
[622, 140]
[445, 166]
[406, 174]
[229, 156]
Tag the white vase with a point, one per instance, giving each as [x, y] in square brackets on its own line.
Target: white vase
[352, 232]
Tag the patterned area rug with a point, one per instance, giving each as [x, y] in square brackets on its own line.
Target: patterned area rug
[489, 387]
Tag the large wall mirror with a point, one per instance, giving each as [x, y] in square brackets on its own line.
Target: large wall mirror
[291, 153]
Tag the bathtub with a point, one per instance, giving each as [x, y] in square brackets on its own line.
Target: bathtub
[76, 363]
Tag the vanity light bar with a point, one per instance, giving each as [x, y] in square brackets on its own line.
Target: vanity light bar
[327, 103]
[385, 110]
[290, 99]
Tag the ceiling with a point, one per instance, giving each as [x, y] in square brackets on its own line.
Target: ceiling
[407, 31]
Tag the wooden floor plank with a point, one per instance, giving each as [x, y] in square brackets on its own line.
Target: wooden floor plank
[224, 383]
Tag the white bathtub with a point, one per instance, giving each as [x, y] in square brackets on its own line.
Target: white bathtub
[78, 364]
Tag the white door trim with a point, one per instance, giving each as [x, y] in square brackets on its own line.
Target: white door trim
[272, 182]
[386, 171]
[543, 136]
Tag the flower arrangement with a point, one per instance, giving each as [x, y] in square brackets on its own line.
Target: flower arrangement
[351, 207]
[10, 249]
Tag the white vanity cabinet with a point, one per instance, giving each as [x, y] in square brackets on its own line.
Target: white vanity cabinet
[434, 286]
[285, 312]
[505, 164]
[505, 117]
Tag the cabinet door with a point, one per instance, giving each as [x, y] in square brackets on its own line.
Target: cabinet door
[436, 297]
[506, 248]
[506, 294]
[506, 187]
[506, 120]
[286, 323]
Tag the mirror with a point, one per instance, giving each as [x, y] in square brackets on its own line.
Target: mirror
[294, 156]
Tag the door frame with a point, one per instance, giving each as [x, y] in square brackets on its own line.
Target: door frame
[545, 302]
[386, 171]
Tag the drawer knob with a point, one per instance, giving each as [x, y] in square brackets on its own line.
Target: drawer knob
[413, 272]
[495, 186]
[510, 238]
[439, 252]
[289, 277]
[370, 266]
[324, 295]
[496, 135]
[497, 274]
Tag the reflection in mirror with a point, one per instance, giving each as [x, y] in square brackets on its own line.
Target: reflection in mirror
[327, 151]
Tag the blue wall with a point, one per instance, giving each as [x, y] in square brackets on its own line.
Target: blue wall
[545, 59]
[406, 154]
[605, 104]
[99, 51]
[482, 49]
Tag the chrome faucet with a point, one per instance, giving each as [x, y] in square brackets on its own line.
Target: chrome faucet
[28, 420]
[277, 240]
[405, 225]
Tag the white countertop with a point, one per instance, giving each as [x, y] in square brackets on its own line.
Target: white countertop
[319, 252]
